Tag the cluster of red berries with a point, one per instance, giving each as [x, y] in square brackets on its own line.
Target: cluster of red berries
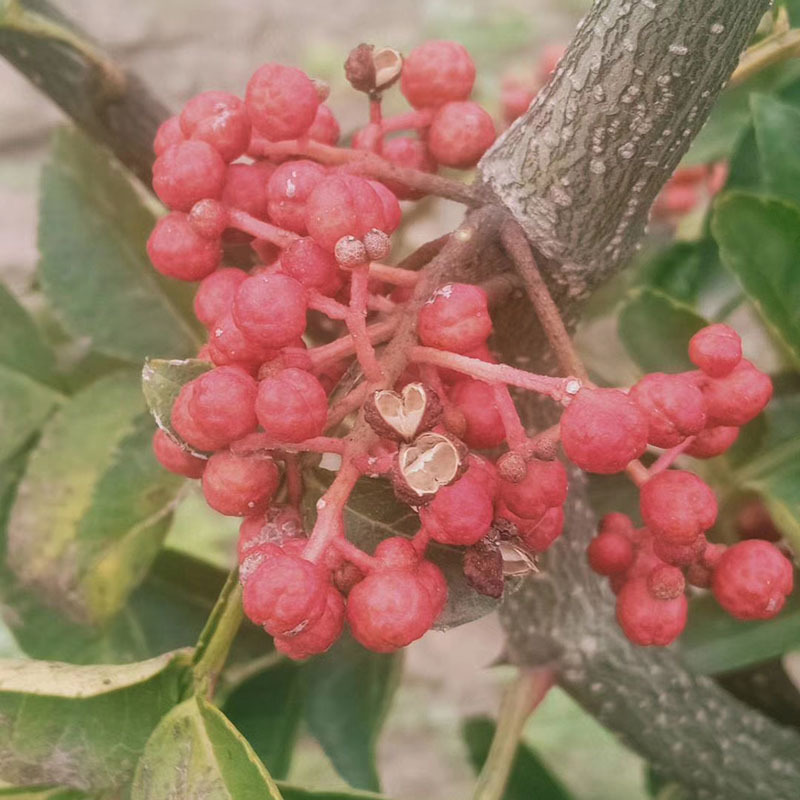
[317, 230]
[698, 413]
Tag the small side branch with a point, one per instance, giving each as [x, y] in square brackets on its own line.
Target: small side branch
[516, 245]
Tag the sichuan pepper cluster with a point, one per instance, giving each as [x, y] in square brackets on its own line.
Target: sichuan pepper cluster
[264, 176]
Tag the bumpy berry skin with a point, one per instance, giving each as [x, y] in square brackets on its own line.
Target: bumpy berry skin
[677, 506]
[712, 442]
[475, 400]
[617, 522]
[389, 609]
[173, 457]
[679, 555]
[437, 72]
[460, 133]
[292, 406]
[188, 172]
[215, 294]
[185, 425]
[312, 266]
[220, 119]
[281, 101]
[408, 152]
[344, 205]
[397, 552]
[716, 349]
[239, 486]
[610, 553]
[168, 134]
[666, 583]
[603, 430]
[318, 636]
[738, 397]
[461, 513]
[674, 407]
[539, 534]
[752, 579]
[209, 219]
[456, 317]
[645, 620]
[279, 525]
[228, 344]
[285, 594]
[177, 251]
[245, 187]
[435, 584]
[271, 309]
[223, 403]
[325, 127]
[544, 486]
[287, 191]
[392, 213]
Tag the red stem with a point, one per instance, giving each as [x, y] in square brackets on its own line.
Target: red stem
[516, 435]
[242, 221]
[355, 555]
[345, 346]
[356, 321]
[394, 275]
[330, 510]
[668, 457]
[560, 389]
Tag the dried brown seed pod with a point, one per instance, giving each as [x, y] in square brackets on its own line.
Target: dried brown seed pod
[483, 568]
[431, 461]
[359, 69]
[370, 70]
[403, 416]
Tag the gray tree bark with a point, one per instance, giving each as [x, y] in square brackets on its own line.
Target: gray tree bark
[581, 168]
[579, 171]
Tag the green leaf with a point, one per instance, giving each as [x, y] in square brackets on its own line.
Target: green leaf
[656, 329]
[291, 792]
[94, 269]
[22, 348]
[82, 727]
[714, 642]
[758, 242]
[93, 508]
[731, 114]
[681, 269]
[162, 381]
[196, 752]
[167, 612]
[529, 777]
[267, 708]
[773, 469]
[27, 376]
[373, 514]
[777, 129]
[348, 692]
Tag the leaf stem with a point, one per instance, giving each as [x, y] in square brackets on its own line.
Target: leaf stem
[520, 699]
[218, 635]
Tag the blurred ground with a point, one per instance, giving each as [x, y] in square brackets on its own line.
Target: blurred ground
[181, 47]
